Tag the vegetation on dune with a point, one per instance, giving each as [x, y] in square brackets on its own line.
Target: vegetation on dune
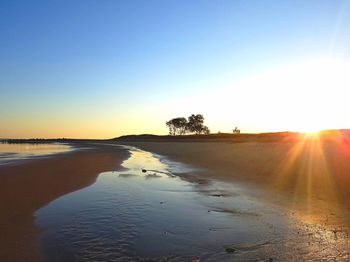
[181, 126]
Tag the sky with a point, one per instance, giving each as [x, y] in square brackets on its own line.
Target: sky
[101, 69]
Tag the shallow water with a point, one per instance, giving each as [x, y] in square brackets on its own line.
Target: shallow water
[10, 153]
[133, 215]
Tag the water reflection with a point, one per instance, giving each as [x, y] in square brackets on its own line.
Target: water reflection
[152, 165]
[134, 216]
[14, 152]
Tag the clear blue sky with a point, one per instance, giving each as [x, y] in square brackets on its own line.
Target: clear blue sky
[106, 68]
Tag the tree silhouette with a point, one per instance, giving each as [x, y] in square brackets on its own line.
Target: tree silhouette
[177, 126]
[205, 130]
[180, 125]
[196, 124]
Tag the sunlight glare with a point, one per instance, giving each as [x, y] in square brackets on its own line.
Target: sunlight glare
[304, 97]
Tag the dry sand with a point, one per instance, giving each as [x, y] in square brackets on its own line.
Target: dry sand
[31, 185]
[306, 174]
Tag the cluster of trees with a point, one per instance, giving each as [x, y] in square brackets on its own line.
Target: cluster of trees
[182, 126]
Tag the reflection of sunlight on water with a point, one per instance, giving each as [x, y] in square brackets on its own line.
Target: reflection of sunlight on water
[155, 165]
[32, 148]
[143, 160]
[13, 152]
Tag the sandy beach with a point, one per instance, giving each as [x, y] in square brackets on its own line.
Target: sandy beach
[306, 174]
[26, 187]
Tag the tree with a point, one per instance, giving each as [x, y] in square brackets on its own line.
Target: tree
[177, 126]
[171, 127]
[205, 130]
[196, 124]
[180, 125]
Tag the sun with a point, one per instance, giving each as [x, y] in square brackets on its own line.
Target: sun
[312, 134]
[312, 124]
[314, 94]
[303, 96]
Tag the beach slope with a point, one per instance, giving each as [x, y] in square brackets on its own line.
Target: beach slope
[26, 187]
[305, 172]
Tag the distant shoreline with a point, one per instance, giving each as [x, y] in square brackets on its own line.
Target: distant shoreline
[287, 136]
[17, 153]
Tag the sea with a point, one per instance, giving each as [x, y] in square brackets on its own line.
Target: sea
[12, 153]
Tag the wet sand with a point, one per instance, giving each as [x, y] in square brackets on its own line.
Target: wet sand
[308, 175]
[26, 187]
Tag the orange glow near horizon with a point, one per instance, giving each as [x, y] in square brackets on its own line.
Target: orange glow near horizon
[306, 97]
